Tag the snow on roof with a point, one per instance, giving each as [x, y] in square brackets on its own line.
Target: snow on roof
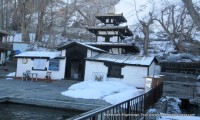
[83, 44]
[124, 59]
[39, 54]
[110, 14]
[89, 46]
[124, 30]
[107, 27]
[110, 43]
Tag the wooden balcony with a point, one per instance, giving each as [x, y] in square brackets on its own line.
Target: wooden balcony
[6, 46]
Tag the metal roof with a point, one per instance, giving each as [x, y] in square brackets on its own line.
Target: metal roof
[41, 54]
[118, 18]
[3, 32]
[82, 44]
[124, 59]
[124, 30]
[115, 45]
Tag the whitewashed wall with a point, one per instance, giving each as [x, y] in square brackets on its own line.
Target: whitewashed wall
[152, 69]
[22, 47]
[41, 74]
[100, 39]
[4, 39]
[93, 68]
[91, 53]
[114, 39]
[116, 50]
[2, 59]
[157, 69]
[63, 53]
[133, 75]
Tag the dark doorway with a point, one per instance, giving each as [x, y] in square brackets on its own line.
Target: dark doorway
[75, 63]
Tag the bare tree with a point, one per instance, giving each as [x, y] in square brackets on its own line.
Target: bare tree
[173, 20]
[145, 27]
[193, 13]
[42, 4]
[15, 17]
[5, 13]
[26, 15]
[89, 9]
[68, 11]
[66, 17]
[36, 15]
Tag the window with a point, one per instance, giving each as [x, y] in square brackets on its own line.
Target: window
[54, 64]
[39, 64]
[114, 71]
[107, 20]
[111, 21]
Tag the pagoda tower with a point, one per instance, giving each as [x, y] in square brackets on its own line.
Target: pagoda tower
[110, 36]
[111, 31]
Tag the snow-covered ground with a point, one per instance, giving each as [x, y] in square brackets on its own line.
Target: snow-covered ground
[111, 91]
[11, 74]
[160, 48]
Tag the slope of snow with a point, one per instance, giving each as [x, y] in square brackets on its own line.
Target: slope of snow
[17, 37]
[110, 91]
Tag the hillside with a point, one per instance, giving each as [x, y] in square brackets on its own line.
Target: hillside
[65, 21]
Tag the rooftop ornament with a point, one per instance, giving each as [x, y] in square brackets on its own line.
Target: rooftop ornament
[111, 10]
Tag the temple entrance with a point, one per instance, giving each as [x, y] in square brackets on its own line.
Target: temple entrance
[75, 63]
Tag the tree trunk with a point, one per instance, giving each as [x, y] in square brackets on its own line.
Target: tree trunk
[65, 21]
[25, 33]
[2, 15]
[146, 37]
[193, 13]
[40, 25]
[24, 24]
[39, 31]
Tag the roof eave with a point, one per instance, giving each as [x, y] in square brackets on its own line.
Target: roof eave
[90, 59]
[4, 33]
[66, 46]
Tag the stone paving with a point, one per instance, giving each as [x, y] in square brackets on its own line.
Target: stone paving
[41, 93]
[45, 94]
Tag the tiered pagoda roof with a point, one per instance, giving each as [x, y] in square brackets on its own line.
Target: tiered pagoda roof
[117, 19]
[123, 30]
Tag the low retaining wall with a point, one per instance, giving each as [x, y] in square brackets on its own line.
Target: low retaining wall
[51, 103]
[3, 99]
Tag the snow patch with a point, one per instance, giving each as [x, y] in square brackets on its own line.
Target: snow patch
[39, 54]
[111, 91]
[11, 74]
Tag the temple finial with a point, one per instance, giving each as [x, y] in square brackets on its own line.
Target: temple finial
[111, 9]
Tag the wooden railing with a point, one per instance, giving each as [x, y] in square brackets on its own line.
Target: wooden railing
[132, 109]
[181, 67]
